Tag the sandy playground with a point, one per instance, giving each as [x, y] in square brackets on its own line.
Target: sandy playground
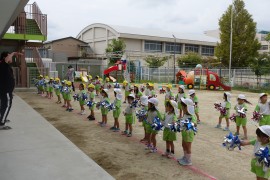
[126, 158]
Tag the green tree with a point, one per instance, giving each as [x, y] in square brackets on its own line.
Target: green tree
[268, 37]
[245, 45]
[261, 66]
[190, 59]
[116, 46]
[155, 62]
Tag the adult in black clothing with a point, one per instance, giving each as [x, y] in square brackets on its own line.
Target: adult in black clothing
[7, 84]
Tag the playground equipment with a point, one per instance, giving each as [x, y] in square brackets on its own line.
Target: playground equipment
[118, 66]
[201, 79]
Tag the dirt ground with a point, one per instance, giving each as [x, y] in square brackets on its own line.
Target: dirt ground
[125, 158]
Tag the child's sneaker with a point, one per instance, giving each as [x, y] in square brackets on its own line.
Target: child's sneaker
[181, 159]
[226, 129]
[116, 130]
[70, 109]
[124, 132]
[170, 155]
[129, 135]
[153, 150]
[185, 163]
[103, 125]
[112, 128]
[82, 113]
[165, 154]
[148, 147]
[218, 126]
[100, 122]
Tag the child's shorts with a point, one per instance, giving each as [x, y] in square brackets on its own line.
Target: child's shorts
[127, 93]
[57, 92]
[41, 88]
[82, 103]
[197, 110]
[92, 108]
[187, 136]
[225, 116]
[168, 135]
[149, 129]
[68, 97]
[64, 96]
[241, 121]
[180, 106]
[116, 113]
[129, 119]
[258, 170]
[265, 120]
[97, 87]
[50, 89]
[104, 111]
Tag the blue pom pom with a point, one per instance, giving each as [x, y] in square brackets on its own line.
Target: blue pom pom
[156, 125]
[263, 158]
[231, 142]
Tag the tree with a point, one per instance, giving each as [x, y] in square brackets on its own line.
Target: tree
[189, 59]
[244, 44]
[117, 46]
[155, 62]
[267, 38]
[261, 66]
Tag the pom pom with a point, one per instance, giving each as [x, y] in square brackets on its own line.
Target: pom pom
[156, 125]
[76, 97]
[231, 142]
[256, 116]
[175, 127]
[188, 125]
[134, 104]
[233, 118]
[105, 104]
[84, 96]
[263, 158]
[90, 104]
[221, 109]
[241, 112]
[141, 115]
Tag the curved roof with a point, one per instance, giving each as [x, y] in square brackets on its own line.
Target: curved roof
[121, 31]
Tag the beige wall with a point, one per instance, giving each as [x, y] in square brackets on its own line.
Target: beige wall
[133, 44]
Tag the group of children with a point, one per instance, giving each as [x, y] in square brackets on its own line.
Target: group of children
[176, 107]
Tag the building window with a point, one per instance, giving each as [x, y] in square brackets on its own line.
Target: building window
[170, 48]
[152, 46]
[208, 50]
[191, 48]
[264, 47]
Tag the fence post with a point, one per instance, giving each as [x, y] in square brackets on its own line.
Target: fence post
[158, 74]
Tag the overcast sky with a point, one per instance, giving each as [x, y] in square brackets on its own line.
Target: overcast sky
[69, 17]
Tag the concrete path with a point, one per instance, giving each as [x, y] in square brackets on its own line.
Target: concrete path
[34, 150]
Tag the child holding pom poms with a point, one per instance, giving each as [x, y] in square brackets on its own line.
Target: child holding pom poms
[117, 110]
[82, 98]
[187, 136]
[57, 88]
[129, 116]
[263, 108]
[168, 135]
[68, 92]
[259, 166]
[144, 107]
[180, 94]
[226, 105]
[104, 110]
[91, 89]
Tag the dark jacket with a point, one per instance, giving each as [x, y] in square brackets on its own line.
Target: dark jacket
[7, 81]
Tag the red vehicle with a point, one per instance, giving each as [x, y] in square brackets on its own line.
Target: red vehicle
[204, 78]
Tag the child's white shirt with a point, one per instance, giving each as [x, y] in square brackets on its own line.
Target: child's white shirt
[151, 115]
[147, 92]
[169, 118]
[129, 110]
[179, 96]
[264, 108]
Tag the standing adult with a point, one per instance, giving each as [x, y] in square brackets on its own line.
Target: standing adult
[70, 76]
[7, 84]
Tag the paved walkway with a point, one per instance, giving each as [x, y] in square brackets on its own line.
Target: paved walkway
[34, 149]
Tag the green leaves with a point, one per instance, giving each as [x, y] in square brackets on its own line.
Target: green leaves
[155, 62]
[116, 46]
[189, 59]
[245, 45]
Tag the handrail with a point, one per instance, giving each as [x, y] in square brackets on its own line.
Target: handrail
[37, 59]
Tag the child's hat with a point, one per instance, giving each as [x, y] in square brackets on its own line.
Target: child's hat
[136, 85]
[169, 86]
[84, 86]
[182, 87]
[190, 92]
[91, 86]
[265, 129]
[69, 83]
[174, 105]
[242, 96]
[262, 94]
[106, 91]
[131, 95]
[97, 76]
[190, 105]
[144, 100]
[153, 101]
[151, 84]
[40, 76]
[228, 96]
[107, 79]
[57, 79]
[51, 78]
[89, 76]
[118, 93]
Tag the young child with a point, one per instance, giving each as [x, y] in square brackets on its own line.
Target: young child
[187, 136]
[50, 85]
[240, 119]
[68, 95]
[262, 141]
[150, 133]
[195, 100]
[147, 91]
[180, 94]
[46, 86]
[137, 92]
[263, 107]
[90, 78]
[97, 85]
[168, 135]
[107, 84]
[91, 89]
[144, 106]
[169, 95]
[129, 115]
[63, 92]
[57, 87]
[41, 85]
[82, 98]
[152, 93]
[104, 111]
[117, 110]
[226, 104]
[127, 90]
